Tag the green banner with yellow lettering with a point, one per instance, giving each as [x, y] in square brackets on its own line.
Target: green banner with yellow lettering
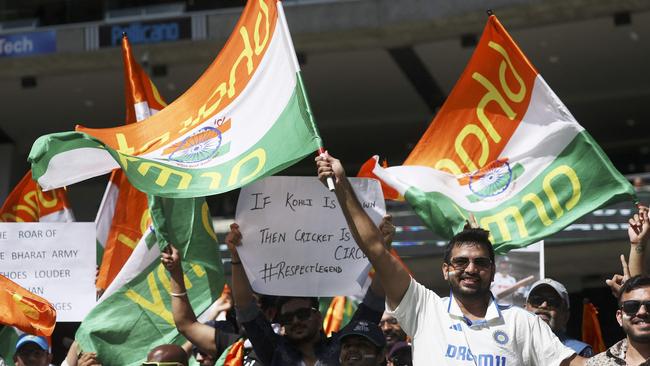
[136, 316]
[504, 148]
[247, 117]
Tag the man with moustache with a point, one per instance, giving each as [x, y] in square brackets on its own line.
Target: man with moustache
[393, 332]
[549, 300]
[466, 328]
[633, 316]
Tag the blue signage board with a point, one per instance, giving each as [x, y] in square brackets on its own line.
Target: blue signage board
[165, 30]
[27, 44]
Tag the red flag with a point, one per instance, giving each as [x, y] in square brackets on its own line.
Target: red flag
[24, 310]
[591, 333]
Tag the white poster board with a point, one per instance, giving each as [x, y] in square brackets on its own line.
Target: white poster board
[296, 241]
[56, 261]
[516, 271]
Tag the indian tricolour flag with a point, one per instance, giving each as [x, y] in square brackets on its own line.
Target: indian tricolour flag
[123, 215]
[504, 148]
[245, 118]
[134, 314]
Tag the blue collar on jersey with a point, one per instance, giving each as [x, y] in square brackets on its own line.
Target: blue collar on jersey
[493, 311]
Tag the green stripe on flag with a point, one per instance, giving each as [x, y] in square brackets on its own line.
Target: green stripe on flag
[8, 339]
[138, 316]
[580, 180]
[291, 138]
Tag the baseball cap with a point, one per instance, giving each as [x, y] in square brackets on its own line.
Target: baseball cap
[368, 330]
[558, 287]
[26, 338]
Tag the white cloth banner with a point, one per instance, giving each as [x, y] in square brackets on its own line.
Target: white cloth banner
[296, 241]
[53, 260]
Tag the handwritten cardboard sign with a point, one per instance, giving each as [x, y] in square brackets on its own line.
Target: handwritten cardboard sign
[53, 260]
[296, 241]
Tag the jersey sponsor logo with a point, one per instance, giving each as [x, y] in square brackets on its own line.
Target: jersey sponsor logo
[500, 337]
[463, 353]
[456, 327]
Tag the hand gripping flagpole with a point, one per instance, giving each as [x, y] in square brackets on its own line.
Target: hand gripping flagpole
[289, 45]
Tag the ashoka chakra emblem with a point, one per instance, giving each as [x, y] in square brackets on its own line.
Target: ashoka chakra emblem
[201, 146]
[491, 180]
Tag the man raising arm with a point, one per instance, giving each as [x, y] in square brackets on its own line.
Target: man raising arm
[468, 327]
[392, 275]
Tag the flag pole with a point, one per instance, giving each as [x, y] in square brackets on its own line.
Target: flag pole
[289, 44]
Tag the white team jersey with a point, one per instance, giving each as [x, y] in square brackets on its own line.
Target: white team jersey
[442, 335]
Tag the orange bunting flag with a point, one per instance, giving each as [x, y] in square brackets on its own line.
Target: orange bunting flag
[124, 215]
[24, 310]
[591, 333]
[28, 203]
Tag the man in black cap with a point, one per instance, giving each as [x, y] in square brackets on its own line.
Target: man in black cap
[362, 344]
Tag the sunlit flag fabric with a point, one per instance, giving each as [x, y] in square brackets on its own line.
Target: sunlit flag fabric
[123, 215]
[134, 314]
[505, 148]
[591, 333]
[245, 118]
[28, 203]
[24, 310]
[339, 311]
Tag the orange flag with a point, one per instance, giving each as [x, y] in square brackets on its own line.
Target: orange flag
[591, 333]
[334, 316]
[124, 215]
[24, 310]
[235, 355]
[28, 203]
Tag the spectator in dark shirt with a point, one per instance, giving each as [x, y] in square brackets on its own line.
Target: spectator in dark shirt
[362, 344]
[303, 342]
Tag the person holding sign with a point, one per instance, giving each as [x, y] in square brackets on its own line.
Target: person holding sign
[303, 342]
[211, 341]
[466, 328]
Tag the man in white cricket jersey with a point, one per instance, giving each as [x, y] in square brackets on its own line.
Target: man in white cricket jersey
[466, 328]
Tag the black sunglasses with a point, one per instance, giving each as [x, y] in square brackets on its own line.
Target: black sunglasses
[463, 262]
[551, 302]
[631, 307]
[301, 314]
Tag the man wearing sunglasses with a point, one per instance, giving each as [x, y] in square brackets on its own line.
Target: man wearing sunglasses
[633, 316]
[549, 300]
[303, 342]
[466, 328]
